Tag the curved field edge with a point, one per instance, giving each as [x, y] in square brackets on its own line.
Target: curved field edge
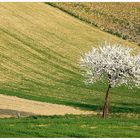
[120, 19]
[12, 106]
[40, 54]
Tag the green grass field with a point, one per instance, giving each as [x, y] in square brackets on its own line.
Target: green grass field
[40, 48]
[70, 126]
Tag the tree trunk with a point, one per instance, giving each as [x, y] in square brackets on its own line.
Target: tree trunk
[105, 107]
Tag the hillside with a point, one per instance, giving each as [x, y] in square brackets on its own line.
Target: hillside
[118, 18]
[40, 48]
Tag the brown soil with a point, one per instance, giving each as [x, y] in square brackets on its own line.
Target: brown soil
[12, 106]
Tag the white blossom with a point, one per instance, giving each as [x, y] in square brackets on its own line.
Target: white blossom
[116, 63]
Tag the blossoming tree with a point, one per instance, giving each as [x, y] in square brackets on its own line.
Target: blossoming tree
[115, 63]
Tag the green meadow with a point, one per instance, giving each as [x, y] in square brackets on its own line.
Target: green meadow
[70, 126]
[40, 49]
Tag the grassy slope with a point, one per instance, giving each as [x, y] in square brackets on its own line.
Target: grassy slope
[40, 47]
[121, 19]
[40, 50]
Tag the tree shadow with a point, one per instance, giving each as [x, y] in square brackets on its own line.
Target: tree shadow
[118, 108]
[126, 108]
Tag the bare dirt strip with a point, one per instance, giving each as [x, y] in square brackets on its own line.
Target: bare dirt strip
[12, 106]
